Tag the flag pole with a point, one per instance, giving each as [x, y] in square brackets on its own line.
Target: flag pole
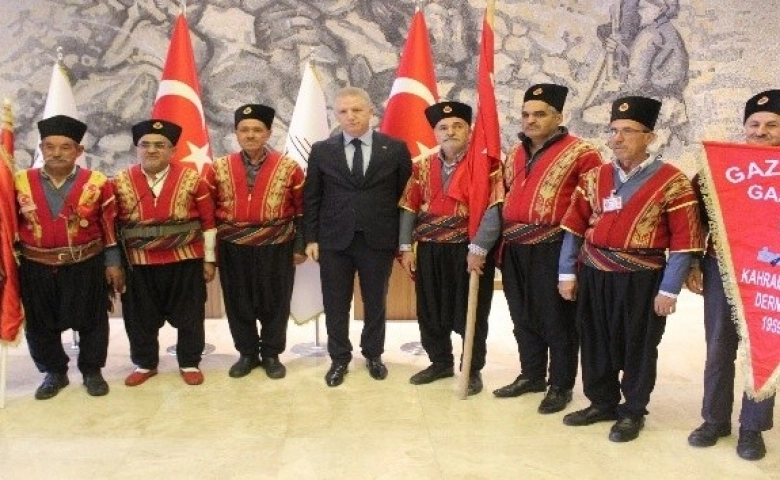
[471, 311]
[468, 338]
[3, 370]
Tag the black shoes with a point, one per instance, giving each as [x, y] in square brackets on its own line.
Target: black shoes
[433, 372]
[520, 386]
[589, 416]
[556, 400]
[51, 386]
[376, 368]
[95, 384]
[626, 429]
[335, 375]
[273, 367]
[708, 434]
[54, 382]
[244, 365]
[475, 383]
[338, 370]
[750, 445]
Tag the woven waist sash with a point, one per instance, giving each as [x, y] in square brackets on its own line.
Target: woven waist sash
[163, 230]
[272, 232]
[518, 232]
[623, 261]
[441, 228]
[163, 236]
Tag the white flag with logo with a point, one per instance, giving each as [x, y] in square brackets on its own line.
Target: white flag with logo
[309, 124]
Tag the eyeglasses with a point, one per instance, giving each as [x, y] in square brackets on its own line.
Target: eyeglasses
[150, 145]
[626, 132]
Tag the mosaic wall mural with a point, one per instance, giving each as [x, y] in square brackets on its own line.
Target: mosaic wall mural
[702, 58]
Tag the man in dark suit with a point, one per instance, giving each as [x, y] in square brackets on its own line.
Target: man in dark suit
[353, 183]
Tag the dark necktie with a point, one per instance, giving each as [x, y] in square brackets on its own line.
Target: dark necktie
[357, 160]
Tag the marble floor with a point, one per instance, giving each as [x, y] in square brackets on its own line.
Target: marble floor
[297, 428]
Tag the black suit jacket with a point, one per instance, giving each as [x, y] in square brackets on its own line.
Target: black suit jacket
[334, 203]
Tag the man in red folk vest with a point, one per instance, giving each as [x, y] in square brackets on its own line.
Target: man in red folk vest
[259, 196]
[445, 253]
[166, 219]
[626, 215]
[69, 257]
[540, 175]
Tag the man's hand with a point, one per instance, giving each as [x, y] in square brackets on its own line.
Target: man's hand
[313, 251]
[475, 263]
[664, 305]
[299, 258]
[209, 271]
[568, 289]
[115, 277]
[408, 261]
[614, 43]
[695, 280]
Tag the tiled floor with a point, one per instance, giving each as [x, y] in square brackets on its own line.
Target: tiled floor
[297, 428]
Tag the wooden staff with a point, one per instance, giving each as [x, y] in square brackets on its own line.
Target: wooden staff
[468, 337]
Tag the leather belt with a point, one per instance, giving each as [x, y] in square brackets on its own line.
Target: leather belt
[152, 231]
[56, 257]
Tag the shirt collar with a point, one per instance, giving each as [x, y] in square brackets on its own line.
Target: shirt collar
[158, 175]
[458, 158]
[248, 162]
[366, 138]
[624, 177]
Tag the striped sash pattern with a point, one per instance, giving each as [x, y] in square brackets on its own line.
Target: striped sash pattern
[272, 232]
[623, 261]
[518, 232]
[441, 228]
[165, 242]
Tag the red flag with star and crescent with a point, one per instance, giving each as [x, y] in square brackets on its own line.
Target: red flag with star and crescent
[470, 185]
[414, 90]
[11, 311]
[179, 100]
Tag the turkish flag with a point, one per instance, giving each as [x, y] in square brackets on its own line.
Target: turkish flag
[178, 99]
[414, 90]
[471, 185]
[743, 203]
[11, 312]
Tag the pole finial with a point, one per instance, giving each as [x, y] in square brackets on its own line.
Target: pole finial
[311, 56]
